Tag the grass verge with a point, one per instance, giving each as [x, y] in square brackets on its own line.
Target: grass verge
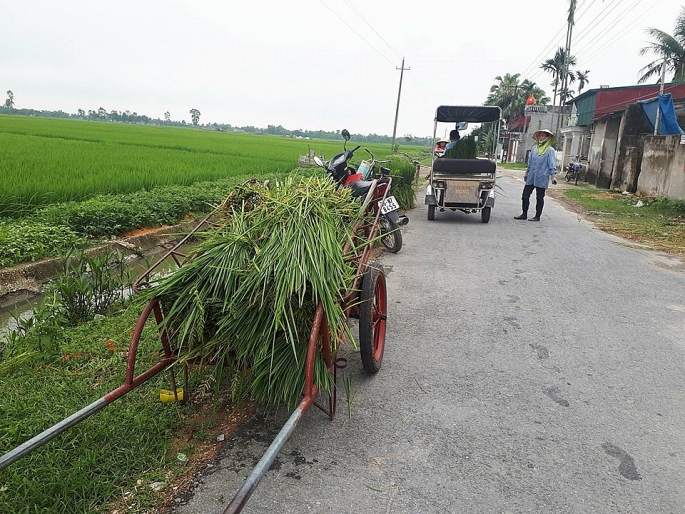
[656, 223]
[129, 454]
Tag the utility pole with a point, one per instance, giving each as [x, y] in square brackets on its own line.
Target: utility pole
[564, 69]
[397, 110]
[661, 92]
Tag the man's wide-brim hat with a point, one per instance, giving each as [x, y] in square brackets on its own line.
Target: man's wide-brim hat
[548, 133]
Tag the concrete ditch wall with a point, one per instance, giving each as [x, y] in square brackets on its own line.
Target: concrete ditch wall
[25, 281]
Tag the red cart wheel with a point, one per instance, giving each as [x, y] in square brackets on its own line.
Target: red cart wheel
[373, 309]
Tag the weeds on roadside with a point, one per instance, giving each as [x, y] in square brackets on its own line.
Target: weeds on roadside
[88, 286]
[656, 222]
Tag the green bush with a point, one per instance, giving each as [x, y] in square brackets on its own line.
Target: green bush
[403, 171]
[114, 215]
[32, 240]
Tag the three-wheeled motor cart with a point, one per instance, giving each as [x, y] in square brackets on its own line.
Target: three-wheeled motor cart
[461, 184]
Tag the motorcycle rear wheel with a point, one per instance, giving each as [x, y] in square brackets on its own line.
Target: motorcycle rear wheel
[391, 236]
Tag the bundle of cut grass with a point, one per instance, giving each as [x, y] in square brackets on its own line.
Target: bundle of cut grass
[247, 299]
[464, 148]
[403, 173]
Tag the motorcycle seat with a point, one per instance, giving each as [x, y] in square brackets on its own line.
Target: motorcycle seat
[360, 187]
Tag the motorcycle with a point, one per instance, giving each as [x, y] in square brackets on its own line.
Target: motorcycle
[572, 171]
[360, 182]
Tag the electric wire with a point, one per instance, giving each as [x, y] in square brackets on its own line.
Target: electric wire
[597, 51]
[555, 40]
[584, 32]
[602, 31]
[371, 27]
[357, 33]
[596, 41]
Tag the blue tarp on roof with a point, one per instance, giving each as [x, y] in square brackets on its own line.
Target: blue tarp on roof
[668, 123]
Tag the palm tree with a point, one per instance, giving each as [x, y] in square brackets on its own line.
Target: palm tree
[510, 94]
[582, 79]
[556, 66]
[670, 49]
[505, 93]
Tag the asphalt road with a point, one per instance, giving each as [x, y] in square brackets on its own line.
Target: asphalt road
[529, 368]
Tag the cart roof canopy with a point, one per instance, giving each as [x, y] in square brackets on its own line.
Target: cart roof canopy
[472, 114]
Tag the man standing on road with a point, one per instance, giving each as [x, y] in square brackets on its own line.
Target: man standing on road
[542, 164]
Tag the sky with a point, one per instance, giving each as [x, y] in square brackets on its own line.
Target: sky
[308, 64]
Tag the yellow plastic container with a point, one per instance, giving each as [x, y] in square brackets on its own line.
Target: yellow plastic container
[168, 396]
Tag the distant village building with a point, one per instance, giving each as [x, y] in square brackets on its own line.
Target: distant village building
[610, 132]
[607, 130]
[518, 139]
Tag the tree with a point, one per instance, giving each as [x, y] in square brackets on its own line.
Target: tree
[510, 95]
[583, 81]
[505, 93]
[195, 116]
[9, 103]
[670, 49]
[560, 68]
[81, 113]
[167, 116]
[556, 66]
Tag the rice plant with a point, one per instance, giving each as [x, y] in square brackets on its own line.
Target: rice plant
[45, 161]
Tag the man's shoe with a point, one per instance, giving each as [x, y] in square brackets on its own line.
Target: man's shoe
[521, 217]
[536, 218]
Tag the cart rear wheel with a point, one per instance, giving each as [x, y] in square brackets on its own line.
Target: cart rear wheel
[391, 237]
[485, 214]
[373, 310]
[431, 212]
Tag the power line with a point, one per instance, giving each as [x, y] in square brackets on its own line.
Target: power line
[536, 61]
[555, 41]
[613, 24]
[607, 9]
[357, 33]
[374, 30]
[596, 51]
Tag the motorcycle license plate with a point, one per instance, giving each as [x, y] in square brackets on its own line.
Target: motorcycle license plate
[389, 205]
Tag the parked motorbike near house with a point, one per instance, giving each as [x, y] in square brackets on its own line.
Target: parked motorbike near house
[573, 171]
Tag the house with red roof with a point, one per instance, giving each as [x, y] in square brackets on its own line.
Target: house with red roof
[608, 130]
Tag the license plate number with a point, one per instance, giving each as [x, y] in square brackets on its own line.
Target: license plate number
[389, 205]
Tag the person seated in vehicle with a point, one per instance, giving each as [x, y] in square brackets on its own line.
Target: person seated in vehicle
[440, 147]
[462, 147]
[454, 137]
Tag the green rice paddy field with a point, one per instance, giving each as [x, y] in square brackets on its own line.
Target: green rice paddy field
[44, 161]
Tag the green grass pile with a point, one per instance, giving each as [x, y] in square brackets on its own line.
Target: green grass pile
[403, 172]
[247, 299]
[464, 148]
